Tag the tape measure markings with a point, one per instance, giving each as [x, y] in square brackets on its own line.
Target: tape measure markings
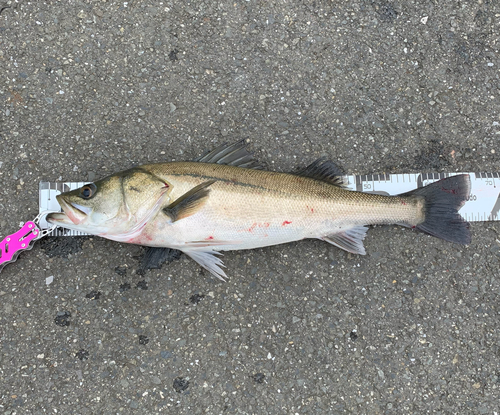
[483, 203]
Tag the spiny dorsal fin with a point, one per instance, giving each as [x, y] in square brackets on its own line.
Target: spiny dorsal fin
[350, 240]
[189, 203]
[324, 170]
[235, 154]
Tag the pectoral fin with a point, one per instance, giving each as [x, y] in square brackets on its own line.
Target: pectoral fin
[350, 240]
[154, 258]
[189, 203]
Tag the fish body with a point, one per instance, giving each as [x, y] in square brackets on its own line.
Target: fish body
[254, 208]
[225, 201]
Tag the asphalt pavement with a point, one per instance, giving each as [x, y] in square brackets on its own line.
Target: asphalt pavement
[89, 88]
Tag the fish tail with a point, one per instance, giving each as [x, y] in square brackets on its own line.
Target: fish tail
[443, 200]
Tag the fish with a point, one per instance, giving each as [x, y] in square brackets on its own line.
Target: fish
[225, 200]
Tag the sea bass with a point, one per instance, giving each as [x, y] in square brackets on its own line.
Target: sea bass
[224, 201]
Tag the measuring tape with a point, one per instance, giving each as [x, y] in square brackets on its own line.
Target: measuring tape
[483, 203]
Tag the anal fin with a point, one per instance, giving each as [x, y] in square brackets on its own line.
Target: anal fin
[350, 240]
[209, 261]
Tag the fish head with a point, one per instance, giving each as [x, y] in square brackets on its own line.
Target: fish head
[116, 207]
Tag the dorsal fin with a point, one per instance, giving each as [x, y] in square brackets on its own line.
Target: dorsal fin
[324, 170]
[235, 154]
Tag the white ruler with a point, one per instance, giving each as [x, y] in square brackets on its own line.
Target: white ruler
[47, 193]
[482, 205]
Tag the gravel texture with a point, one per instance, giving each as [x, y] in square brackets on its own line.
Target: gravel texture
[89, 88]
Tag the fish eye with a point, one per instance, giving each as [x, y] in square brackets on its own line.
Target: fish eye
[88, 191]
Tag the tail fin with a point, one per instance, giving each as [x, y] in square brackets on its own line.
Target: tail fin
[443, 200]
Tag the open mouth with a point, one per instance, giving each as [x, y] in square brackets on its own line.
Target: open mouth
[57, 218]
[72, 213]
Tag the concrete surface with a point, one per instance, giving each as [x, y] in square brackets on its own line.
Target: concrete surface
[88, 88]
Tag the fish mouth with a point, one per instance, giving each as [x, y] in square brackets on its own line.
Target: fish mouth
[72, 214]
